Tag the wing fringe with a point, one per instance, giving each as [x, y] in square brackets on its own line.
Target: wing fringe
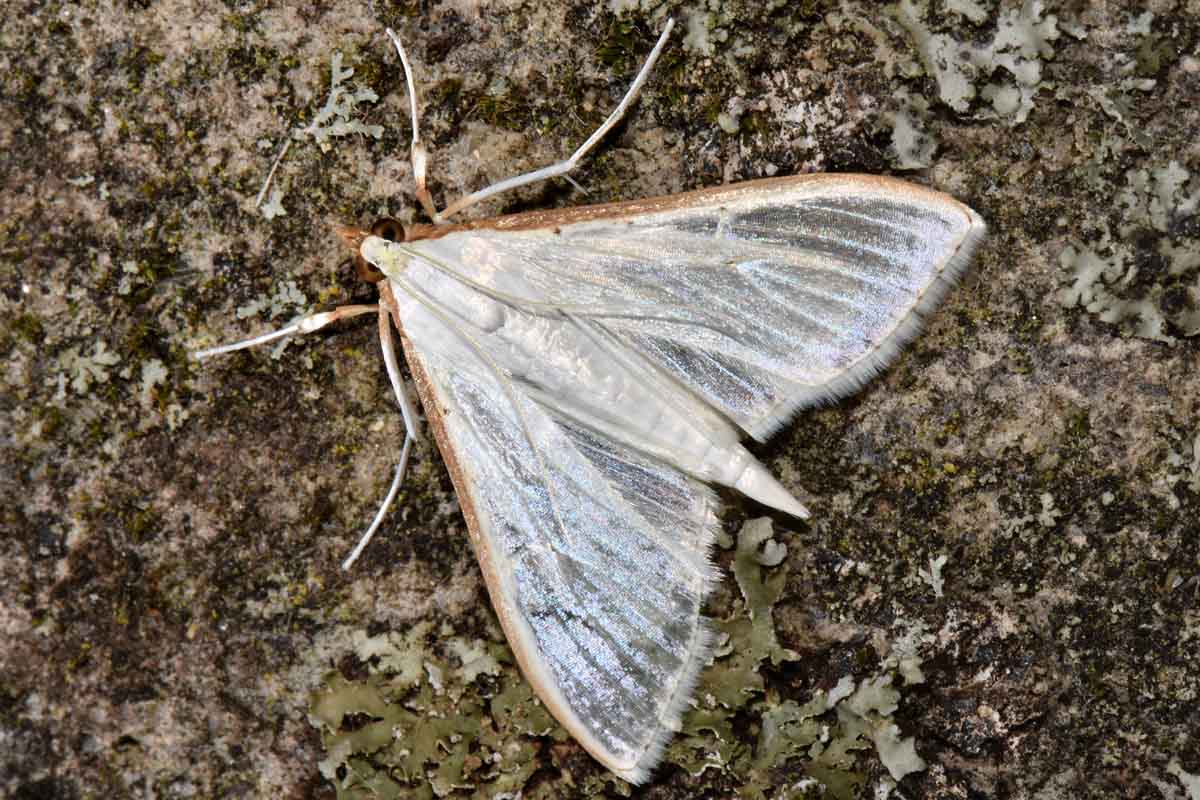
[876, 361]
[672, 716]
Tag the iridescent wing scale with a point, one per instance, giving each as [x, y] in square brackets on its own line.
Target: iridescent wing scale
[587, 371]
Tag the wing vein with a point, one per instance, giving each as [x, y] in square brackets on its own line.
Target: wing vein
[434, 307]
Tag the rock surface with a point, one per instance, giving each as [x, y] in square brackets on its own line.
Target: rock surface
[1004, 556]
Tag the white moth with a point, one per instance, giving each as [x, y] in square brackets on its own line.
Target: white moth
[587, 372]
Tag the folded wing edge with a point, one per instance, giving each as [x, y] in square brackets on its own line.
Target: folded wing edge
[887, 350]
[520, 636]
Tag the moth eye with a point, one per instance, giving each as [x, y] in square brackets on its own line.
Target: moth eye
[385, 228]
[388, 228]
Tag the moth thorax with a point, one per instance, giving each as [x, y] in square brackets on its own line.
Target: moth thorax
[382, 257]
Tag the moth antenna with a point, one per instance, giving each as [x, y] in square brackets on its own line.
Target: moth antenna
[287, 143]
[563, 167]
[387, 503]
[307, 324]
[419, 155]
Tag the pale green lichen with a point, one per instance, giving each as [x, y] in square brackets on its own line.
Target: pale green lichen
[867, 713]
[287, 295]
[863, 711]
[708, 28]
[475, 660]
[912, 145]
[1181, 467]
[971, 9]
[399, 655]
[756, 549]
[336, 117]
[1116, 99]
[933, 576]
[789, 730]
[1048, 516]
[1011, 63]
[1191, 783]
[1159, 195]
[1108, 275]
[419, 725]
[154, 373]
[904, 657]
[274, 206]
[728, 122]
[83, 370]
[701, 31]
[131, 276]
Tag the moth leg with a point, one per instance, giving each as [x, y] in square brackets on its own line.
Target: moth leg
[411, 431]
[439, 310]
[419, 154]
[407, 409]
[563, 167]
[387, 503]
[309, 324]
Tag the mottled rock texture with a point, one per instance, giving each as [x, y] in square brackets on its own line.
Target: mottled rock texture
[170, 532]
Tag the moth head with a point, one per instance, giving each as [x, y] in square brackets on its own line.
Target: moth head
[385, 228]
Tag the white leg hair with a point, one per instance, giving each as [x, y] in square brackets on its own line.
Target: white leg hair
[412, 433]
[553, 171]
[407, 409]
[309, 324]
[387, 503]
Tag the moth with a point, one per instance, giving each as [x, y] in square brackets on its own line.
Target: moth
[589, 372]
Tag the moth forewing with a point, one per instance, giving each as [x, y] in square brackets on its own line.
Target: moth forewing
[843, 266]
[678, 635]
[581, 370]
